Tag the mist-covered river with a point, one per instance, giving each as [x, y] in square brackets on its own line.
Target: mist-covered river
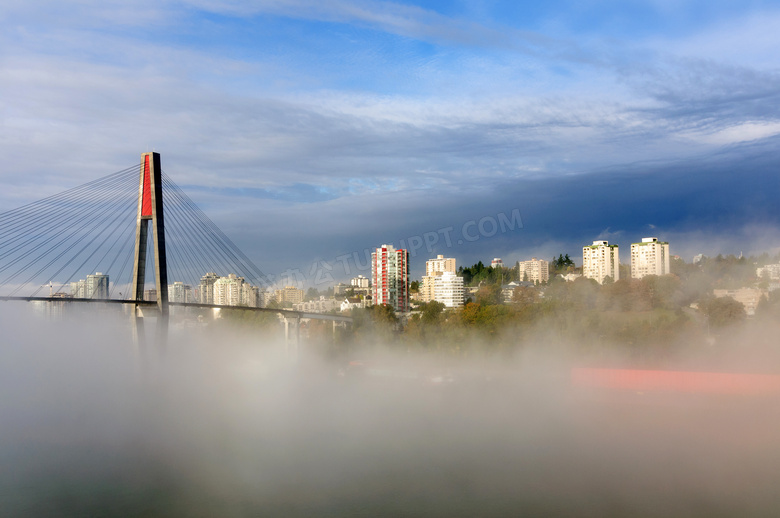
[92, 427]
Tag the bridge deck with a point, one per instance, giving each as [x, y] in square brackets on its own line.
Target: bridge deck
[285, 312]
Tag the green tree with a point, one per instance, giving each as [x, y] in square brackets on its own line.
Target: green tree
[312, 294]
[624, 271]
[432, 312]
[273, 304]
[562, 264]
[248, 319]
[375, 324]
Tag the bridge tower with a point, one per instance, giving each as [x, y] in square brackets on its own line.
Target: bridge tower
[150, 209]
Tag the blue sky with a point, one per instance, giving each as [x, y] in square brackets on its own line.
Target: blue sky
[310, 130]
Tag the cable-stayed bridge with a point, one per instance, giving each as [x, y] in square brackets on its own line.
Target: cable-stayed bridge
[117, 228]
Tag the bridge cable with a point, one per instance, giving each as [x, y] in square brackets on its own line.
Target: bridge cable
[217, 234]
[95, 220]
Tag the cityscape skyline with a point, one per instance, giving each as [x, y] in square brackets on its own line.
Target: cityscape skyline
[442, 283]
[537, 271]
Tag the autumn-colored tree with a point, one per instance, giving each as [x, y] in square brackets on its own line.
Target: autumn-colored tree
[524, 296]
[489, 294]
[722, 311]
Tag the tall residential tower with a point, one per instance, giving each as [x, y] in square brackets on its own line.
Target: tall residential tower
[535, 270]
[435, 268]
[600, 260]
[390, 277]
[650, 257]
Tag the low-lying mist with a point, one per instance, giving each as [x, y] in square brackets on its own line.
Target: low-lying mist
[227, 424]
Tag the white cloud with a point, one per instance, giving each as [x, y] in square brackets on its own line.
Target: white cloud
[744, 132]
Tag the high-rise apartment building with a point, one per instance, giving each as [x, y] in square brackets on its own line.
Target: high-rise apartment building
[289, 294]
[179, 292]
[435, 268]
[93, 287]
[234, 291]
[600, 260]
[97, 286]
[78, 289]
[390, 277]
[448, 289]
[440, 265]
[206, 288]
[227, 291]
[535, 270]
[650, 257]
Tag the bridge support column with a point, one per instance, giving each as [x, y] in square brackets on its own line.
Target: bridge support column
[150, 209]
[292, 336]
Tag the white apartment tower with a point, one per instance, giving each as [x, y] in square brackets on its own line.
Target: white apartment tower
[439, 265]
[448, 289]
[227, 291]
[535, 270]
[234, 291]
[650, 257]
[359, 282]
[600, 260]
[93, 287]
[206, 288]
[179, 292]
[390, 277]
[97, 286]
[435, 268]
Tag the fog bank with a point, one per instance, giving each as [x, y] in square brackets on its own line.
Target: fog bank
[233, 427]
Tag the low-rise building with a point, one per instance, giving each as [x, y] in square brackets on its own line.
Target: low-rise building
[749, 297]
[341, 288]
[350, 303]
[770, 272]
[508, 290]
[321, 305]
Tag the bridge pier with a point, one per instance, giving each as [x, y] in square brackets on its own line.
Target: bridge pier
[139, 334]
[292, 334]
